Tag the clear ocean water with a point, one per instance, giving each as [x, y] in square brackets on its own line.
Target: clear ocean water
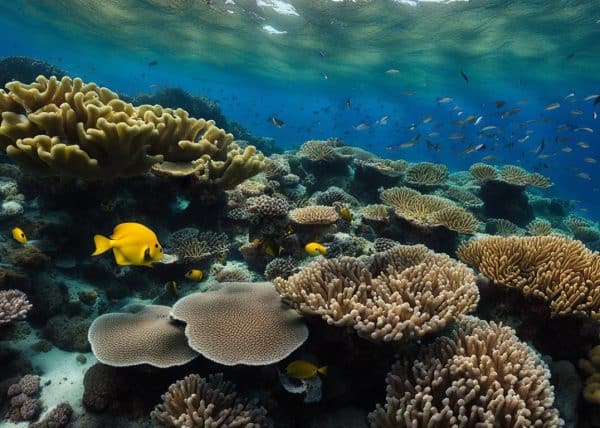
[452, 82]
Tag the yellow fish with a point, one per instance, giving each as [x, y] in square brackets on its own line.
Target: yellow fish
[18, 235]
[301, 369]
[194, 275]
[346, 214]
[132, 244]
[315, 249]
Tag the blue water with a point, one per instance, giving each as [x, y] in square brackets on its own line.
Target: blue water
[527, 54]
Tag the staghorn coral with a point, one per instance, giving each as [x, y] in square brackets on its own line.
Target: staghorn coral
[195, 402]
[267, 206]
[429, 211]
[557, 269]
[314, 215]
[426, 174]
[480, 375]
[376, 213]
[259, 330]
[145, 336]
[13, 306]
[280, 267]
[69, 128]
[539, 227]
[405, 292]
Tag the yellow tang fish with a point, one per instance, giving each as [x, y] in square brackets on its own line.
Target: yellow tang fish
[346, 214]
[132, 244]
[194, 275]
[315, 249]
[18, 235]
[301, 369]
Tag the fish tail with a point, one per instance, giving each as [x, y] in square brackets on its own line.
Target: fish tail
[103, 244]
[323, 370]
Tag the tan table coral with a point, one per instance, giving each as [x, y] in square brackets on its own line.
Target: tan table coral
[405, 292]
[70, 128]
[557, 269]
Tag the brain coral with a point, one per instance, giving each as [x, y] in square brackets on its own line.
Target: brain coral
[13, 306]
[195, 402]
[479, 376]
[259, 330]
[428, 210]
[70, 128]
[401, 293]
[147, 336]
[557, 269]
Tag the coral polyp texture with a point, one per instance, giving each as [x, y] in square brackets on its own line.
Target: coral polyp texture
[314, 215]
[196, 402]
[591, 367]
[480, 375]
[385, 167]
[510, 174]
[240, 323]
[318, 151]
[557, 269]
[428, 210]
[13, 306]
[70, 128]
[192, 246]
[426, 174]
[375, 212]
[405, 292]
[147, 336]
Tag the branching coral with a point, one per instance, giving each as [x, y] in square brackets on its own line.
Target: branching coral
[195, 402]
[314, 215]
[69, 128]
[557, 269]
[427, 174]
[510, 174]
[13, 306]
[481, 375]
[402, 293]
[192, 246]
[428, 210]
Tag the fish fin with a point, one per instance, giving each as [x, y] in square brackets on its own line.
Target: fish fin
[323, 370]
[102, 243]
[120, 258]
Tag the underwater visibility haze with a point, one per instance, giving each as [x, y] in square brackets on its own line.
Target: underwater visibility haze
[303, 213]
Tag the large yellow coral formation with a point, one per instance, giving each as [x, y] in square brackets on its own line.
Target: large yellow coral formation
[70, 128]
[591, 367]
[429, 210]
[405, 292]
[557, 269]
[482, 375]
[510, 174]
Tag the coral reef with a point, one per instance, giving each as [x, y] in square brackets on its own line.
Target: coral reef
[24, 406]
[480, 375]
[259, 330]
[13, 306]
[314, 215]
[426, 174]
[591, 367]
[192, 246]
[280, 267]
[195, 402]
[399, 294]
[557, 269]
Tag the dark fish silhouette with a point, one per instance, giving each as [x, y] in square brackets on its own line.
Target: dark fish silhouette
[597, 100]
[464, 76]
[277, 122]
[540, 149]
[153, 63]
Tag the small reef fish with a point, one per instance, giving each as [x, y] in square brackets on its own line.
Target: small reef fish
[588, 130]
[361, 127]
[583, 145]
[392, 71]
[152, 63]
[584, 175]
[552, 106]
[500, 103]
[194, 275]
[18, 235]
[383, 120]
[427, 118]
[478, 120]
[276, 121]
[510, 112]
[464, 76]
[590, 160]
[444, 100]
[488, 128]
[171, 288]
[345, 214]
[348, 104]
[540, 148]
[567, 149]
[301, 369]
[315, 249]
[132, 244]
